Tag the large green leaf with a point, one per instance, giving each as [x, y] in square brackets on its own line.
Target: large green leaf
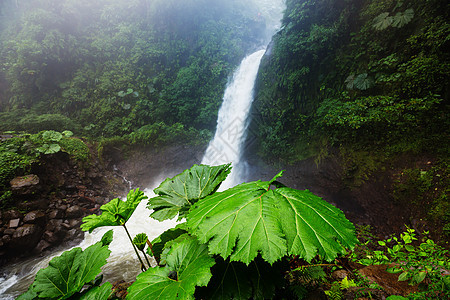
[382, 21]
[69, 272]
[115, 213]
[177, 194]
[98, 292]
[159, 243]
[188, 265]
[251, 218]
[403, 18]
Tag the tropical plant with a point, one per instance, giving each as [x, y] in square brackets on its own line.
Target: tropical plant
[68, 273]
[426, 263]
[234, 242]
[116, 213]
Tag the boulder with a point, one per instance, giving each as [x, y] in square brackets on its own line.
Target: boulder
[56, 214]
[35, 217]
[74, 212]
[54, 225]
[41, 246]
[14, 223]
[25, 185]
[26, 237]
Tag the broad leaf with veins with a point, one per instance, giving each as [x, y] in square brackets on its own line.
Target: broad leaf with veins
[116, 212]
[69, 272]
[177, 194]
[187, 266]
[250, 218]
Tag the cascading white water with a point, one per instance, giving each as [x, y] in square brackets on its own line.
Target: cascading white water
[224, 148]
[226, 145]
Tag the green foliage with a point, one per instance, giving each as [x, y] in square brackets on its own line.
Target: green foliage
[159, 243]
[424, 263]
[400, 19]
[115, 213]
[75, 147]
[178, 194]
[121, 64]
[69, 272]
[187, 266]
[49, 148]
[140, 240]
[279, 222]
[29, 121]
[429, 185]
[377, 82]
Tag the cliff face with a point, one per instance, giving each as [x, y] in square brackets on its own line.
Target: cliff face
[363, 86]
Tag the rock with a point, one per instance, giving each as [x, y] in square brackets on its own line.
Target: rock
[6, 239]
[56, 214]
[12, 214]
[9, 231]
[74, 212]
[26, 237]
[74, 223]
[72, 234]
[66, 225]
[41, 246]
[14, 223]
[25, 185]
[53, 224]
[49, 237]
[34, 217]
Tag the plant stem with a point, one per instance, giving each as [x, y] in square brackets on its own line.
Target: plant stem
[145, 255]
[143, 268]
[151, 249]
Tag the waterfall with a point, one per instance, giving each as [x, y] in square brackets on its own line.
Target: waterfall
[226, 146]
[228, 141]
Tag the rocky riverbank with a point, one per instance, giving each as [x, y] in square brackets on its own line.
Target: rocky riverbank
[48, 204]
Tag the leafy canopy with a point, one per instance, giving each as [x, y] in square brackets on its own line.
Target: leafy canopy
[251, 218]
[115, 213]
[177, 194]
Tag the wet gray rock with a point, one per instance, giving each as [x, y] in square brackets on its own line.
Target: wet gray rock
[41, 246]
[56, 214]
[75, 223]
[26, 237]
[34, 217]
[53, 224]
[74, 212]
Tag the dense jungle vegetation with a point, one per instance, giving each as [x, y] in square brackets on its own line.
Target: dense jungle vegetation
[108, 68]
[367, 73]
[369, 79]
[133, 72]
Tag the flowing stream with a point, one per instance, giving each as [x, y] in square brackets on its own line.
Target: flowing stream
[225, 147]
